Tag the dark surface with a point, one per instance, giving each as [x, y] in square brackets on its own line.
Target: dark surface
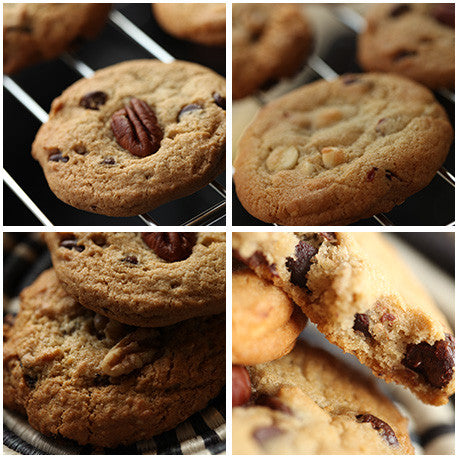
[432, 206]
[47, 80]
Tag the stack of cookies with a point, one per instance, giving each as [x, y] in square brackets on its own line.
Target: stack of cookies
[123, 339]
[363, 298]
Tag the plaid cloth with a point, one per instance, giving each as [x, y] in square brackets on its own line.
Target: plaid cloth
[24, 258]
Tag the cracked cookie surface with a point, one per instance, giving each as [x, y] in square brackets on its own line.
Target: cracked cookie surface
[149, 279]
[414, 40]
[82, 376]
[335, 152]
[308, 402]
[364, 299]
[134, 136]
[34, 32]
[269, 41]
[203, 23]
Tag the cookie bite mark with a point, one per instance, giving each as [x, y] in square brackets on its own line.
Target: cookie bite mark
[435, 363]
[137, 129]
[171, 246]
[384, 429]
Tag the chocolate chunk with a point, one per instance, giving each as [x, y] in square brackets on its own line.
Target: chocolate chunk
[273, 403]
[56, 156]
[300, 266]
[171, 246]
[371, 174]
[384, 429]
[188, 109]
[399, 10]
[435, 363]
[444, 13]
[241, 386]
[330, 236]
[93, 100]
[403, 54]
[71, 244]
[257, 259]
[109, 161]
[130, 259]
[219, 100]
[361, 324]
[266, 433]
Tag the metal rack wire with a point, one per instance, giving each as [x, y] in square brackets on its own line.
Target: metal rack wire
[210, 216]
[355, 22]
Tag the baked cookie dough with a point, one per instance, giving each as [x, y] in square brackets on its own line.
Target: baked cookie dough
[143, 279]
[134, 136]
[331, 153]
[82, 376]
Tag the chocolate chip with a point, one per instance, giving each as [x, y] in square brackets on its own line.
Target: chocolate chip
[219, 100]
[171, 246]
[301, 265]
[30, 381]
[188, 109]
[273, 403]
[109, 161]
[444, 13]
[56, 156]
[93, 100]
[435, 363]
[361, 324]
[257, 259]
[384, 429]
[403, 54]
[387, 317]
[371, 174]
[350, 79]
[266, 433]
[329, 236]
[80, 149]
[241, 386]
[399, 10]
[71, 244]
[130, 259]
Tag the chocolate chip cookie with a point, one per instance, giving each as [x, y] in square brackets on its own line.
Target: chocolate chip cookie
[335, 152]
[203, 23]
[134, 136]
[416, 40]
[363, 298]
[82, 376]
[265, 321]
[269, 41]
[34, 32]
[143, 279]
[308, 402]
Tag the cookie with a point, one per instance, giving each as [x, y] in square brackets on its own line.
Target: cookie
[416, 40]
[265, 322]
[134, 136]
[335, 152]
[363, 298]
[308, 402]
[82, 376]
[203, 23]
[143, 279]
[269, 42]
[34, 32]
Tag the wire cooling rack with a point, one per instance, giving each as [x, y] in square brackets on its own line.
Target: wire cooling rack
[354, 22]
[210, 216]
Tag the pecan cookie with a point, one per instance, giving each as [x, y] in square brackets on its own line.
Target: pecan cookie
[308, 402]
[416, 40]
[265, 321]
[363, 298]
[134, 136]
[203, 23]
[84, 377]
[269, 41]
[149, 279]
[33, 32]
[335, 152]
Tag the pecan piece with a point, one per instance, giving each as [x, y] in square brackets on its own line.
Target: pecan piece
[171, 246]
[136, 128]
[132, 352]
